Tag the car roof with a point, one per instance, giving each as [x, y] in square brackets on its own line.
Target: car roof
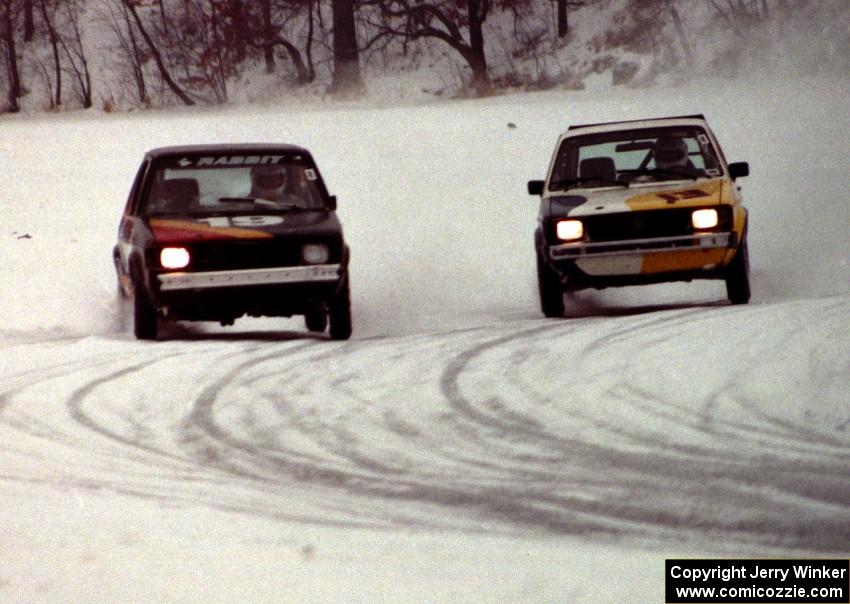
[681, 120]
[227, 149]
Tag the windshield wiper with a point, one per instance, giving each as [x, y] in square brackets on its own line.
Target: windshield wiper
[567, 183]
[662, 171]
[278, 205]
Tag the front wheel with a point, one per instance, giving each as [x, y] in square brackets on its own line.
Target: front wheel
[316, 320]
[144, 315]
[339, 314]
[551, 293]
[738, 276]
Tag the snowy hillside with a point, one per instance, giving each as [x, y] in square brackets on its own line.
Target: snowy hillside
[104, 59]
[459, 447]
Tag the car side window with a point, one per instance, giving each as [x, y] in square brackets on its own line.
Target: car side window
[132, 199]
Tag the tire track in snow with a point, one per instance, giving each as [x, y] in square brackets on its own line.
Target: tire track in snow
[142, 462]
[736, 483]
[772, 433]
[92, 454]
[545, 427]
[377, 489]
[289, 475]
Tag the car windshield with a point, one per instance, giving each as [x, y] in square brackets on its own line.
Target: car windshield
[634, 156]
[204, 184]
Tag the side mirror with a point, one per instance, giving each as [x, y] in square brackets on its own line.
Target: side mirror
[738, 169]
[535, 187]
[332, 203]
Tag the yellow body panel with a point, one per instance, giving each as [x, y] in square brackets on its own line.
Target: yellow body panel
[712, 192]
[695, 194]
[682, 261]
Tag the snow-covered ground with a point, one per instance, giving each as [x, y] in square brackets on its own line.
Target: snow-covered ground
[459, 447]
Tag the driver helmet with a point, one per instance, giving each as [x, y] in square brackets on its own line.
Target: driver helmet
[671, 153]
[268, 181]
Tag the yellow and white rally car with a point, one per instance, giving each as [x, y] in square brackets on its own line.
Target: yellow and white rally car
[639, 202]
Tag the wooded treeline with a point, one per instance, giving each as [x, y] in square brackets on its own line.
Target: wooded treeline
[159, 52]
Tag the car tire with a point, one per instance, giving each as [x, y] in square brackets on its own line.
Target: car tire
[144, 315]
[551, 292]
[316, 320]
[339, 314]
[738, 275]
[115, 261]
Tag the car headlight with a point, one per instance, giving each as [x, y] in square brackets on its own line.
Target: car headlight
[704, 219]
[569, 230]
[315, 253]
[174, 257]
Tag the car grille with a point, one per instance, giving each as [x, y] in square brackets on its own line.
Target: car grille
[648, 225]
[235, 255]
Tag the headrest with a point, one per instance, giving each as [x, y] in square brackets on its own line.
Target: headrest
[598, 167]
[180, 189]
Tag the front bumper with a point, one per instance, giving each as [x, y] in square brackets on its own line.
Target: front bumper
[320, 273]
[640, 247]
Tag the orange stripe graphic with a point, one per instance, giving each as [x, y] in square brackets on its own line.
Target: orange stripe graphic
[182, 230]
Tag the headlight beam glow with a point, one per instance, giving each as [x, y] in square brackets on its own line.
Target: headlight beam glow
[704, 219]
[174, 257]
[569, 230]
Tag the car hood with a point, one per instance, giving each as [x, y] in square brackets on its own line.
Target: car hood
[217, 226]
[646, 196]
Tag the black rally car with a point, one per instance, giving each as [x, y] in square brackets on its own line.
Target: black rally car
[215, 232]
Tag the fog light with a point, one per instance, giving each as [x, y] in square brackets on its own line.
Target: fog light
[174, 257]
[567, 230]
[315, 253]
[704, 219]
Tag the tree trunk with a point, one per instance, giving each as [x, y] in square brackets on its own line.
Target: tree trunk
[235, 31]
[77, 57]
[8, 38]
[163, 70]
[563, 19]
[29, 25]
[476, 58]
[311, 68]
[680, 31]
[54, 45]
[302, 75]
[136, 60]
[346, 70]
[162, 17]
[268, 33]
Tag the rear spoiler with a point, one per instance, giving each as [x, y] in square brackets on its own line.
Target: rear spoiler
[699, 116]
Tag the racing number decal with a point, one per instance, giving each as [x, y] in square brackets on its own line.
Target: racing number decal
[679, 195]
[242, 221]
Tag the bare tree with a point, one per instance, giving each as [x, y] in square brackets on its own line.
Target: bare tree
[8, 10]
[72, 45]
[680, 32]
[130, 5]
[346, 70]
[29, 24]
[216, 45]
[266, 34]
[563, 7]
[56, 88]
[134, 57]
[445, 21]
[739, 15]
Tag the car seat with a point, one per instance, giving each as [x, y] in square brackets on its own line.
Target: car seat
[178, 194]
[602, 168]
